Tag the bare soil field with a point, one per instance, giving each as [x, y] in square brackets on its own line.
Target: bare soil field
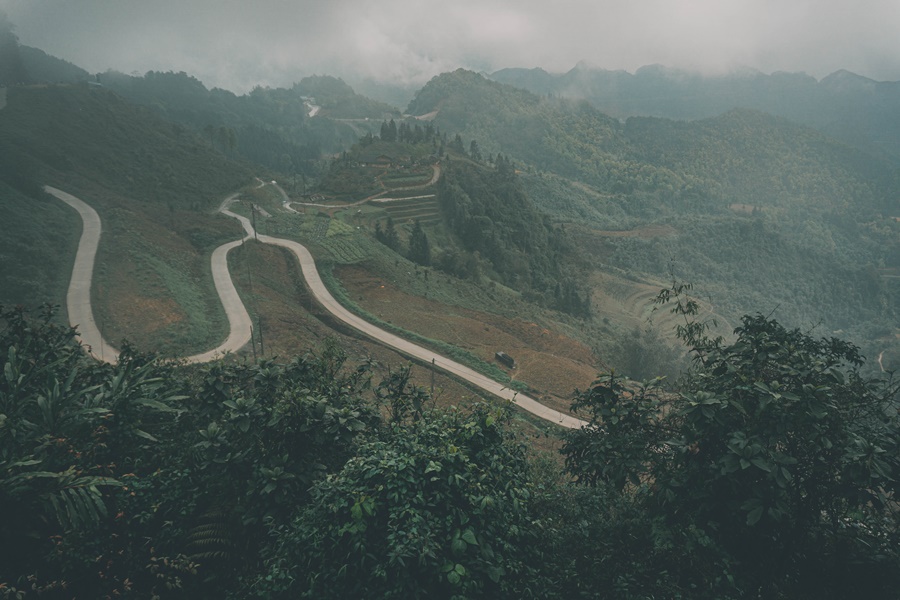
[632, 304]
[551, 363]
[743, 209]
[650, 231]
[161, 299]
[293, 325]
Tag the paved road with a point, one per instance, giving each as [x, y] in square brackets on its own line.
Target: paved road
[239, 323]
[78, 299]
[321, 293]
[435, 175]
[80, 314]
[385, 200]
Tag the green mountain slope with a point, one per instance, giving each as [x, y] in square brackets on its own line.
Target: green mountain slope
[761, 212]
[44, 68]
[155, 185]
[286, 130]
[570, 138]
[855, 109]
[735, 157]
[750, 157]
[338, 100]
[95, 134]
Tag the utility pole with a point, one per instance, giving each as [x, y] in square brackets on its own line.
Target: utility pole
[247, 261]
[262, 347]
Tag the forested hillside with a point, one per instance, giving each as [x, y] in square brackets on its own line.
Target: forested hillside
[753, 158]
[760, 212]
[155, 184]
[571, 138]
[272, 127]
[338, 100]
[658, 156]
[495, 220]
[852, 108]
[94, 134]
[43, 68]
[490, 213]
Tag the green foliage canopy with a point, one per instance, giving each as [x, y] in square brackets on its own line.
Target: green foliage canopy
[435, 508]
[775, 445]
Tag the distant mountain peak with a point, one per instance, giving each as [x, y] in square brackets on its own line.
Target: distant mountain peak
[844, 80]
[532, 71]
[669, 73]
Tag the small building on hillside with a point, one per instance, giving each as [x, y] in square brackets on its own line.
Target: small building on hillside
[381, 160]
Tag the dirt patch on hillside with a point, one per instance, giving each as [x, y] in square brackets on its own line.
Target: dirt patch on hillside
[648, 232]
[633, 305]
[293, 325]
[153, 313]
[129, 304]
[743, 209]
[599, 244]
[551, 363]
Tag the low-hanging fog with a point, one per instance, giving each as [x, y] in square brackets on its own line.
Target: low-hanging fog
[236, 44]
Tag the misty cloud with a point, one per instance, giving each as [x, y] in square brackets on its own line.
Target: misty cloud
[237, 44]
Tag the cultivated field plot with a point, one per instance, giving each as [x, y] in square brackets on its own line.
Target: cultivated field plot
[400, 179]
[551, 363]
[425, 210]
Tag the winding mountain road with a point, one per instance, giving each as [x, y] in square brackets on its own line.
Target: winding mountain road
[78, 299]
[435, 175]
[239, 323]
[81, 315]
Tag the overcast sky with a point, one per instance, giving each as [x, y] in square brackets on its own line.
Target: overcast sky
[237, 44]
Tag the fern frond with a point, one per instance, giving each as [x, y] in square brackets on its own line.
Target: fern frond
[213, 539]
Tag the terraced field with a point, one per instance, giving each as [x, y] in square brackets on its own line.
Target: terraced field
[400, 180]
[632, 303]
[426, 210]
[346, 249]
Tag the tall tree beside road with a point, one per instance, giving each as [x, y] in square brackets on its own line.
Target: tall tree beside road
[419, 250]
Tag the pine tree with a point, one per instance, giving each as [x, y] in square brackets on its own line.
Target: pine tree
[419, 250]
[391, 238]
[474, 151]
[392, 131]
[457, 145]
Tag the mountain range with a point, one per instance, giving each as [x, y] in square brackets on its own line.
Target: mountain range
[852, 108]
[766, 190]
